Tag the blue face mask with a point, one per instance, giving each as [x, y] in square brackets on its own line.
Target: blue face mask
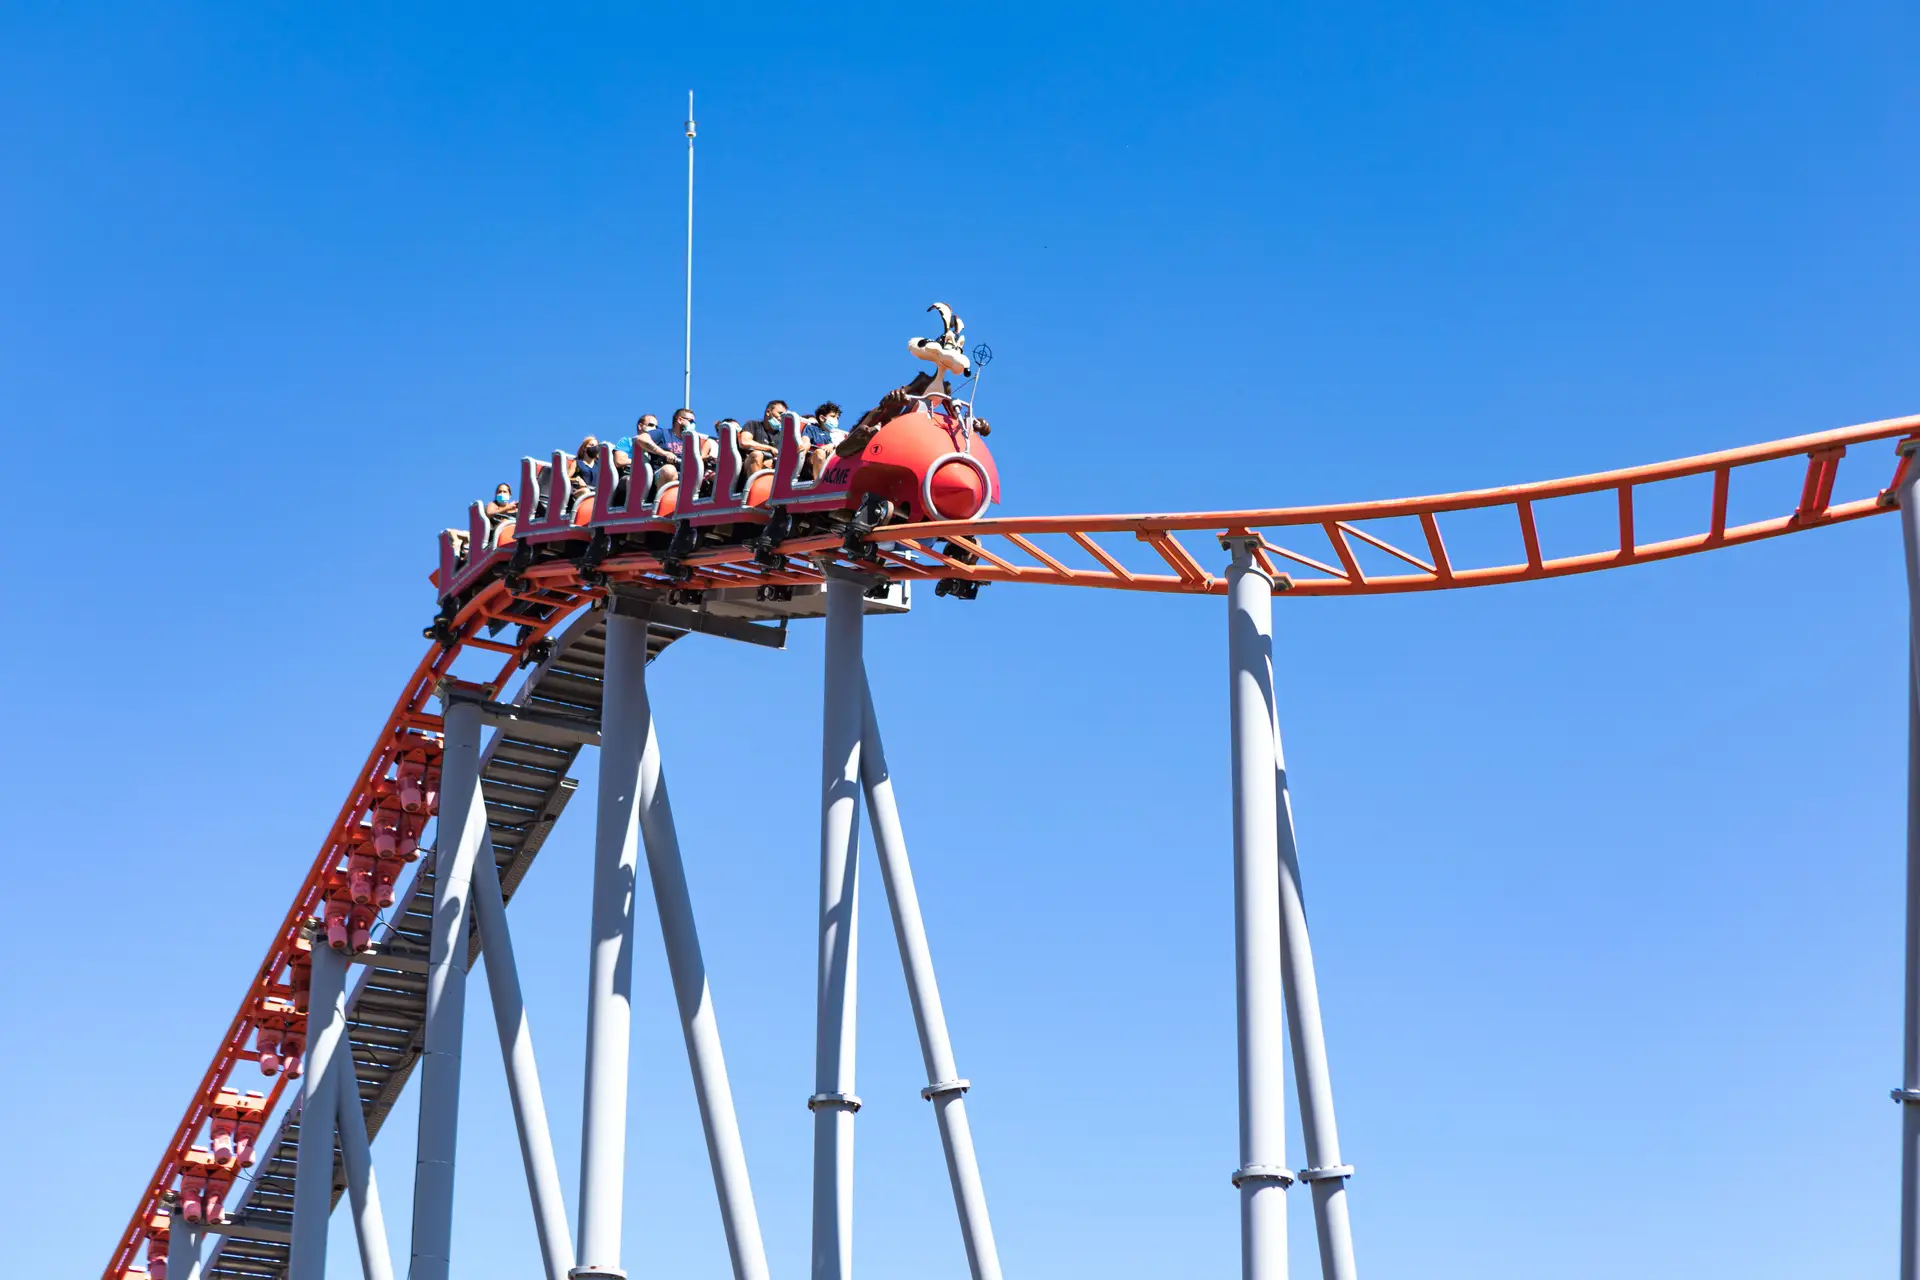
[503, 498]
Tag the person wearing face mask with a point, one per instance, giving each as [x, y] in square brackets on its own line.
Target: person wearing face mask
[760, 440]
[497, 509]
[652, 442]
[818, 435]
[580, 471]
[502, 507]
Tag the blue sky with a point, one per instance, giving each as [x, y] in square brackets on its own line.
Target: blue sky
[1604, 873]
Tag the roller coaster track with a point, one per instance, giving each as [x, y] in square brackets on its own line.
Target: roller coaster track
[1310, 551]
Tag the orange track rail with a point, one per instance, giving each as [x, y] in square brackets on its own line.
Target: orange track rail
[1037, 550]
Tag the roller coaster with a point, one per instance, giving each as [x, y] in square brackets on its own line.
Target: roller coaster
[581, 596]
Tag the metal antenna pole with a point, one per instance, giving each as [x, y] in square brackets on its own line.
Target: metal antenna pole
[1262, 1177]
[833, 1102]
[686, 385]
[945, 1089]
[1908, 1094]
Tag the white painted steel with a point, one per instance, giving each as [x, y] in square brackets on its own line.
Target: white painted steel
[313, 1163]
[1909, 1093]
[363, 1190]
[616, 862]
[523, 1076]
[945, 1089]
[460, 836]
[698, 1021]
[1262, 1177]
[186, 1250]
[1315, 1088]
[833, 1103]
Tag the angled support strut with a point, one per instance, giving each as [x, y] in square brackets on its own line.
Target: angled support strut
[699, 1024]
[523, 1075]
[356, 1156]
[945, 1089]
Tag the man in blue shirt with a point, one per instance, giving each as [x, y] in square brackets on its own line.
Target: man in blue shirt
[818, 435]
[652, 441]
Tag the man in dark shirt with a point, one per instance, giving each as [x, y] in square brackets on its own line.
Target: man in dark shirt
[760, 439]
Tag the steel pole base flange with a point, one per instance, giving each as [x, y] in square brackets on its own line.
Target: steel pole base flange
[1906, 1096]
[596, 1273]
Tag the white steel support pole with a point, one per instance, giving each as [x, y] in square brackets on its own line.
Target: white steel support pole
[616, 860]
[1325, 1176]
[185, 1249]
[698, 1021]
[363, 1191]
[1262, 1176]
[523, 1077]
[945, 1089]
[313, 1168]
[833, 1102]
[460, 837]
[1908, 1094]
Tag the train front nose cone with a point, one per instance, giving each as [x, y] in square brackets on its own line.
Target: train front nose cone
[959, 492]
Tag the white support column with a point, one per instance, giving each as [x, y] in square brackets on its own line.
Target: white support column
[616, 860]
[698, 1021]
[1262, 1177]
[1325, 1176]
[945, 1089]
[313, 1167]
[523, 1077]
[1908, 1094]
[363, 1191]
[460, 836]
[186, 1248]
[833, 1102]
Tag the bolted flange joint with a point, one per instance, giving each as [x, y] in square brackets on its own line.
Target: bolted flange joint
[1277, 1174]
[1906, 1096]
[1332, 1173]
[939, 1088]
[833, 1102]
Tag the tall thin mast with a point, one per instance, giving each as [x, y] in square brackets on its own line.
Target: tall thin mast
[686, 387]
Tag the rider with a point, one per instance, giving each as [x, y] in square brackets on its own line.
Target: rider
[818, 435]
[759, 440]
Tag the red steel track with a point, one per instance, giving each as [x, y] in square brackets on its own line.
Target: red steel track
[1069, 551]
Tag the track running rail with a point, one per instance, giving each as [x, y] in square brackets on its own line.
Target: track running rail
[1037, 550]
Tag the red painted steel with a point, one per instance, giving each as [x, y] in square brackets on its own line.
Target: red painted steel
[998, 550]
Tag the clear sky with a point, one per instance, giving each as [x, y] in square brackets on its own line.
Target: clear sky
[1604, 873]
